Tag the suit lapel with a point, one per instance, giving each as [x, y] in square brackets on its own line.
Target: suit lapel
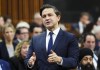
[58, 39]
[43, 44]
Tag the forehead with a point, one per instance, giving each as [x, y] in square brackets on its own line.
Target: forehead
[37, 28]
[24, 29]
[90, 38]
[9, 29]
[48, 10]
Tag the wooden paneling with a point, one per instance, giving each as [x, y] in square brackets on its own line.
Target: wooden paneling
[20, 9]
[26, 10]
[0, 7]
[4, 7]
[14, 9]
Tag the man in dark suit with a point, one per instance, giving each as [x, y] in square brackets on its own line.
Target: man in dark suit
[83, 21]
[54, 49]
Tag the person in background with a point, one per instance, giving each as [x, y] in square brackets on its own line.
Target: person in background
[54, 49]
[22, 32]
[2, 21]
[7, 46]
[98, 21]
[17, 62]
[35, 30]
[86, 59]
[1, 27]
[83, 21]
[96, 32]
[7, 19]
[37, 19]
[89, 41]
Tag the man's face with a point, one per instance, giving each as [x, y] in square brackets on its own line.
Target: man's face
[24, 34]
[38, 19]
[90, 42]
[87, 63]
[1, 21]
[50, 19]
[85, 19]
[37, 31]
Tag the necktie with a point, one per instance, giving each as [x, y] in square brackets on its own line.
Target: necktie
[50, 44]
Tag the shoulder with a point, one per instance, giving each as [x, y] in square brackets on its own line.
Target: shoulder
[2, 44]
[4, 62]
[68, 34]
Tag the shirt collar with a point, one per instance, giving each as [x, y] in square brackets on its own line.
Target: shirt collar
[56, 31]
[80, 23]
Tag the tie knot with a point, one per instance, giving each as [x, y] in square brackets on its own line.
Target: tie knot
[50, 33]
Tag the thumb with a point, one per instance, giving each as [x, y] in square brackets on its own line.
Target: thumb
[34, 54]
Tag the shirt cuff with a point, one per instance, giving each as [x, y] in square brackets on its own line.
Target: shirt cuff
[60, 62]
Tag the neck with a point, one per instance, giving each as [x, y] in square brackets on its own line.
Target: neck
[8, 42]
[53, 28]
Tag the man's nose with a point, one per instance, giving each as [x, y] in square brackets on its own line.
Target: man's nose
[88, 61]
[47, 17]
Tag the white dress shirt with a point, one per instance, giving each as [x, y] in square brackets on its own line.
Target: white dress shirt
[0, 67]
[81, 27]
[95, 59]
[55, 33]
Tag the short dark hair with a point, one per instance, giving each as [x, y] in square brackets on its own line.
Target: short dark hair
[57, 12]
[88, 34]
[33, 25]
[84, 14]
[18, 31]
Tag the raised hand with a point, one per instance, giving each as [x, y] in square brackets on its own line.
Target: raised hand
[32, 59]
[54, 58]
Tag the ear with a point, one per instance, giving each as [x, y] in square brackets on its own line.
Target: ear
[59, 17]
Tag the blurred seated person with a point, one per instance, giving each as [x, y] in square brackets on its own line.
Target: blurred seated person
[96, 31]
[1, 27]
[83, 21]
[37, 19]
[1, 22]
[35, 29]
[86, 59]
[98, 21]
[4, 65]
[62, 26]
[7, 46]
[22, 32]
[17, 62]
[7, 19]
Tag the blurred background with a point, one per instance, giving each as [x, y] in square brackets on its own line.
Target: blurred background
[70, 9]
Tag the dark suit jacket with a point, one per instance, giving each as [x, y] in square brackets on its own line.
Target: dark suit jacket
[4, 65]
[3, 51]
[17, 63]
[65, 46]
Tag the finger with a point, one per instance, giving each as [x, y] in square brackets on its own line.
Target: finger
[50, 60]
[52, 51]
[50, 55]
